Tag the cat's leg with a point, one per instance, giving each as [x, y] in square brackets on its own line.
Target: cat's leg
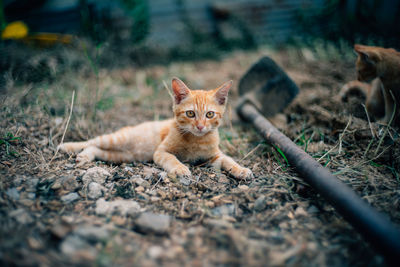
[73, 147]
[92, 152]
[389, 105]
[375, 103]
[170, 163]
[114, 141]
[222, 161]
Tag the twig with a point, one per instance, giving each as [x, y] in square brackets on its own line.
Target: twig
[251, 152]
[154, 186]
[330, 150]
[369, 122]
[168, 90]
[66, 126]
[342, 134]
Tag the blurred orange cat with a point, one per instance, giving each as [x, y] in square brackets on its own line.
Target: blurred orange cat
[192, 135]
[382, 67]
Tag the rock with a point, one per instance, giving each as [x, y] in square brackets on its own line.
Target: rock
[31, 195]
[21, 216]
[95, 174]
[95, 190]
[155, 252]
[300, 212]
[12, 193]
[243, 187]
[32, 183]
[68, 166]
[149, 222]
[76, 248]
[224, 210]
[69, 183]
[68, 198]
[60, 230]
[121, 207]
[140, 181]
[128, 169]
[139, 189]
[218, 223]
[92, 233]
[312, 209]
[149, 172]
[260, 203]
[185, 181]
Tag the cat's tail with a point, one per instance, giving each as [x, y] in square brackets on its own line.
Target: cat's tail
[354, 87]
[73, 147]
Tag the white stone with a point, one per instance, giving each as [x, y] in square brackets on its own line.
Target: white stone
[95, 174]
[95, 190]
[120, 206]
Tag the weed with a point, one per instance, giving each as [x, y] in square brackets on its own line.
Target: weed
[8, 140]
[94, 66]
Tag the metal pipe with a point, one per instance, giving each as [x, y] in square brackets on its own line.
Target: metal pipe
[374, 226]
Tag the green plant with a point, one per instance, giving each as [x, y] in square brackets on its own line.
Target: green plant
[2, 17]
[94, 66]
[139, 12]
[7, 141]
[282, 155]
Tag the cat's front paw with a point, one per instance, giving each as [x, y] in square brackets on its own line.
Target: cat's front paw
[180, 171]
[242, 173]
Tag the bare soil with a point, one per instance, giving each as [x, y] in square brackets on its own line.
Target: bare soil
[50, 211]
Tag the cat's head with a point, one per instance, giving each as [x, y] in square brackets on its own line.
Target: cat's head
[197, 111]
[367, 62]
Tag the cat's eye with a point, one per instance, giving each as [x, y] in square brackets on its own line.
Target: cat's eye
[210, 114]
[190, 113]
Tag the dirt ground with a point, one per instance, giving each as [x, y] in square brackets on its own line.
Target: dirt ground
[55, 212]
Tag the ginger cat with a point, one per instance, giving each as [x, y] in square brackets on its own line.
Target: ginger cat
[192, 135]
[383, 63]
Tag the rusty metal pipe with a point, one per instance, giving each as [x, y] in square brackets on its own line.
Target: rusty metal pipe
[374, 226]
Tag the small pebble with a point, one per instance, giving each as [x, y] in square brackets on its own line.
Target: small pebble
[68, 198]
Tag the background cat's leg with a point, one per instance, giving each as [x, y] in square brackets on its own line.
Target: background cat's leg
[227, 163]
[389, 105]
[92, 152]
[170, 163]
[375, 103]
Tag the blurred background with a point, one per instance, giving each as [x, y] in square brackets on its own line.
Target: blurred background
[195, 29]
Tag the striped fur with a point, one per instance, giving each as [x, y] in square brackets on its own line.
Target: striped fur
[192, 135]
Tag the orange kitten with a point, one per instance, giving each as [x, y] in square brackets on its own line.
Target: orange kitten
[383, 63]
[192, 135]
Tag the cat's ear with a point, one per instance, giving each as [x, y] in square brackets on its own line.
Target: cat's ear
[367, 54]
[181, 91]
[221, 93]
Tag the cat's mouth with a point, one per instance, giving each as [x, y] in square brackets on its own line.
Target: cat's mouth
[197, 132]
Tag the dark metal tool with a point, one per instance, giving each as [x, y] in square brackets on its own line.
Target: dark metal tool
[270, 94]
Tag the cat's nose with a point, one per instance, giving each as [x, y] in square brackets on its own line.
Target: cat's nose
[200, 127]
